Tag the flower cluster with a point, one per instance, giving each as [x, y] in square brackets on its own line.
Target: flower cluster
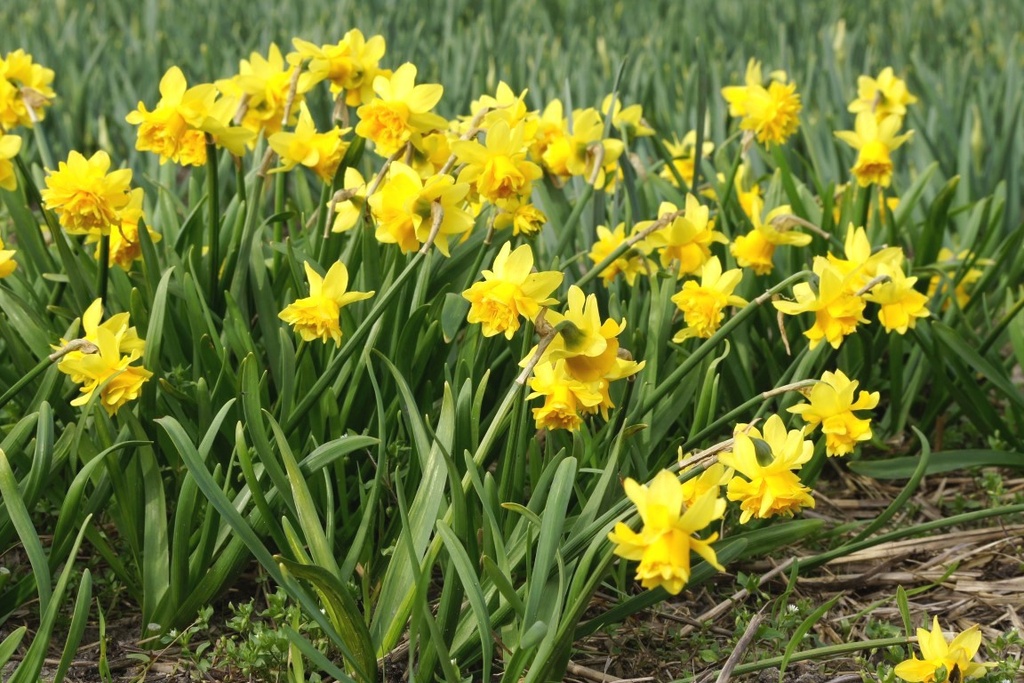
[845, 286]
[880, 107]
[574, 372]
[101, 359]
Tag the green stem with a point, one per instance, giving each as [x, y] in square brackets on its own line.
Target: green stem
[672, 381]
[104, 269]
[569, 227]
[24, 380]
[213, 224]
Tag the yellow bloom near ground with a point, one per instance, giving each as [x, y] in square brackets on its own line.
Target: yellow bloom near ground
[938, 654]
[667, 537]
[317, 315]
[831, 405]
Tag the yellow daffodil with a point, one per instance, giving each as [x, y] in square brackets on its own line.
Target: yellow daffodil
[874, 141]
[769, 486]
[349, 66]
[524, 218]
[505, 105]
[400, 109]
[938, 655]
[837, 310]
[683, 157]
[499, 168]
[317, 315]
[85, 197]
[576, 153]
[862, 262]
[901, 304]
[510, 290]
[266, 83]
[124, 236]
[25, 90]
[831, 405]
[771, 114]
[687, 239]
[756, 249]
[109, 368]
[668, 536]
[630, 263]
[173, 129]
[629, 121]
[564, 397]
[7, 263]
[348, 210]
[10, 145]
[403, 208]
[702, 304]
[321, 152]
[713, 479]
[580, 331]
[882, 96]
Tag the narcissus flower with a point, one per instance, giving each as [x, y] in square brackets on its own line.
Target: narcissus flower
[525, 219]
[125, 247]
[85, 197]
[769, 486]
[109, 368]
[831, 406]
[875, 140]
[317, 315]
[403, 208]
[629, 263]
[629, 121]
[320, 152]
[349, 66]
[564, 397]
[348, 210]
[713, 478]
[756, 249]
[702, 304]
[10, 145]
[772, 113]
[499, 168]
[837, 310]
[266, 84]
[939, 657]
[173, 129]
[24, 90]
[863, 261]
[882, 96]
[668, 536]
[576, 153]
[951, 263]
[901, 304]
[684, 157]
[510, 290]
[400, 109]
[687, 239]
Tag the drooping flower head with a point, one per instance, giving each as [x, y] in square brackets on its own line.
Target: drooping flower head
[756, 249]
[317, 315]
[837, 308]
[668, 535]
[900, 304]
[403, 208]
[831, 405]
[565, 397]
[510, 290]
[85, 197]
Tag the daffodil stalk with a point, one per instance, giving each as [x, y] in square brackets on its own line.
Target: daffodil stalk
[673, 380]
[213, 221]
[627, 245]
[82, 345]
